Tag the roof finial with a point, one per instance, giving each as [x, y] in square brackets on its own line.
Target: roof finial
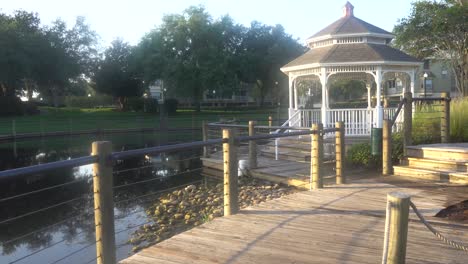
[348, 10]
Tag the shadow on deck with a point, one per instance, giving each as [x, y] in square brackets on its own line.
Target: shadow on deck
[337, 224]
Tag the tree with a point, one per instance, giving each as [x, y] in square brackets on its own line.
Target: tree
[115, 74]
[265, 50]
[438, 29]
[68, 57]
[192, 53]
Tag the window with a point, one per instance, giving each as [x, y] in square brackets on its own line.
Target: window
[391, 83]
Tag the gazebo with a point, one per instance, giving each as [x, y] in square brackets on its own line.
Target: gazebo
[349, 49]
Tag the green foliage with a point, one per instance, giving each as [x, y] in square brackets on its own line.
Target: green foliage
[46, 59]
[89, 102]
[116, 75]
[171, 105]
[459, 120]
[437, 29]
[195, 54]
[347, 90]
[10, 106]
[360, 155]
[397, 147]
[426, 124]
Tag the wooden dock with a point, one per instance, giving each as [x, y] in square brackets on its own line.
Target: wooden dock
[337, 224]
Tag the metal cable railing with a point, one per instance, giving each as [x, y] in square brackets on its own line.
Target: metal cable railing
[146, 197]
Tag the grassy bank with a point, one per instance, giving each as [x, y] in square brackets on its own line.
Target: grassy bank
[75, 119]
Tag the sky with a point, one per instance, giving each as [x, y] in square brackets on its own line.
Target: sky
[131, 20]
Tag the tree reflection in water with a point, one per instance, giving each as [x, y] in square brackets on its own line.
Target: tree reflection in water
[74, 221]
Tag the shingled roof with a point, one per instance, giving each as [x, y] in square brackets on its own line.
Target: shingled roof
[359, 52]
[349, 25]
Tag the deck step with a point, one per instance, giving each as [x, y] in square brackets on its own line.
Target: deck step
[432, 174]
[420, 173]
[435, 164]
[447, 152]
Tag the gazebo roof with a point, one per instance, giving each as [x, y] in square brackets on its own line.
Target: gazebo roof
[350, 41]
[359, 52]
[349, 25]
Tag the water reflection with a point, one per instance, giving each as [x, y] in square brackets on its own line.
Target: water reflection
[69, 226]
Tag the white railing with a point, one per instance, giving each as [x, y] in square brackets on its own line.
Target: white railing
[357, 121]
[309, 117]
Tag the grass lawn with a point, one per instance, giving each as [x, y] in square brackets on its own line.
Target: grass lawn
[75, 119]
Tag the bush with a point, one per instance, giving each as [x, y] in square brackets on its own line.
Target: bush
[171, 105]
[459, 120]
[10, 106]
[397, 147]
[151, 105]
[134, 104]
[360, 155]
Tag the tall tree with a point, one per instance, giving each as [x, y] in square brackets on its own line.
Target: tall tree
[265, 50]
[115, 74]
[438, 29]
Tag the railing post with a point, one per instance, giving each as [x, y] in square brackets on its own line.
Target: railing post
[445, 121]
[407, 121]
[316, 156]
[397, 226]
[206, 153]
[270, 121]
[387, 147]
[252, 146]
[230, 161]
[104, 203]
[339, 151]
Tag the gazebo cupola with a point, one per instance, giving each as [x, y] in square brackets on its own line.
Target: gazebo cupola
[349, 49]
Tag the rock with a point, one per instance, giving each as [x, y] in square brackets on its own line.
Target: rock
[178, 216]
[190, 188]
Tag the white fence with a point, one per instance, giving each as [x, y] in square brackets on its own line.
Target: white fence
[358, 121]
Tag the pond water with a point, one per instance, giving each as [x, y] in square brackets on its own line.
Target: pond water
[49, 236]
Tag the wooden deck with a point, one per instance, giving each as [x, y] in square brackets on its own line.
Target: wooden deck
[338, 224]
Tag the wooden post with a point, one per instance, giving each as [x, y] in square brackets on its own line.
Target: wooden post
[397, 222]
[104, 203]
[270, 121]
[339, 151]
[231, 205]
[407, 121]
[206, 153]
[315, 157]
[252, 146]
[387, 147]
[445, 121]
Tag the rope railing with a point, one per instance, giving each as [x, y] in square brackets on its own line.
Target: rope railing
[396, 228]
[452, 243]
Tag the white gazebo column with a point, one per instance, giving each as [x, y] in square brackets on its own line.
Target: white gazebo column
[412, 77]
[378, 105]
[291, 99]
[369, 103]
[323, 81]
[295, 95]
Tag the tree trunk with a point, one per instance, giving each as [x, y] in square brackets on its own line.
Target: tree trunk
[121, 100]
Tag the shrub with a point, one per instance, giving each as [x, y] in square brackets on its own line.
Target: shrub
[397, 147]
[171, 105]
[134, 104]
[360, 155]
[11, 105]
[459, 120]
[151, 105]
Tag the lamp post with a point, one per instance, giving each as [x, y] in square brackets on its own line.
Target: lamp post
[424, 84]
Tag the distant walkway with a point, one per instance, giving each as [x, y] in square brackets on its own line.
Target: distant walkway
[338, 224]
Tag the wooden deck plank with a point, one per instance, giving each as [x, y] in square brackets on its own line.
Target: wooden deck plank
[338, 224]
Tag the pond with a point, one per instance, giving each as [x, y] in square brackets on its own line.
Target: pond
[46, 226]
